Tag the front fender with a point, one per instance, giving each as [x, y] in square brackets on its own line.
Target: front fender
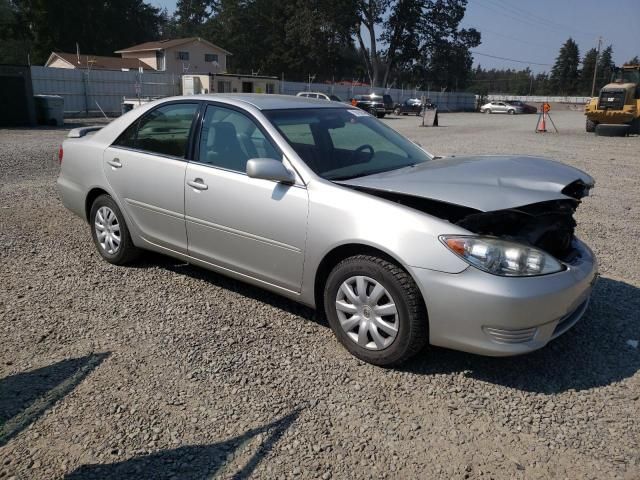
[342, 216]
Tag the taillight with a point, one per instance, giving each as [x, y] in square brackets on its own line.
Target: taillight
[60, 154]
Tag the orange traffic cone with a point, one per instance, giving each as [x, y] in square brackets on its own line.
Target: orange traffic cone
[542, 125]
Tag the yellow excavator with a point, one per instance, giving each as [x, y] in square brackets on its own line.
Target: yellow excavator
[616, 110]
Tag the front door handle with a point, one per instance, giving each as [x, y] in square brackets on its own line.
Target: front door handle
[115, 163]
[198, 184]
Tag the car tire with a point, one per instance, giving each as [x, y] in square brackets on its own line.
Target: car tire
[511, 112]
[380, 115]
[590, 126]
[116, 247]
[396, 112]
[381, 347]
[488, 111]
[635, 126]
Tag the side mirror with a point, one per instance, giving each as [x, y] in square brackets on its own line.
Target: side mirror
[269, 169]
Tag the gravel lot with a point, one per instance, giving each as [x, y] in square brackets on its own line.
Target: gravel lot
[163, 370]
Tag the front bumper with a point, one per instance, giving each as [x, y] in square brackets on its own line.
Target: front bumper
[477, 312]
[614, 117]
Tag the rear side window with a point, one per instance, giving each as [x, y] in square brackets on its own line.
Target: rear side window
[164, 131]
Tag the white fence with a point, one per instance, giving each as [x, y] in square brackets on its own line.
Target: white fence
[541, 99]
[87, 93]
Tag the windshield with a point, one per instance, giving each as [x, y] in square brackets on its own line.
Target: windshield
[339, 144]
[335, 98]
[627, 76]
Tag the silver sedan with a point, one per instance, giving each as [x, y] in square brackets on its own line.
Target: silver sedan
[324, 204]
[500, 107]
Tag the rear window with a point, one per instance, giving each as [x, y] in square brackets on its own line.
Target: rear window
[164, 130]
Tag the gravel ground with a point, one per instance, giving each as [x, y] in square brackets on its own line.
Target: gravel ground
[163, 370]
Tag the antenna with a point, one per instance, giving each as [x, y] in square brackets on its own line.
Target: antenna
[78, 52]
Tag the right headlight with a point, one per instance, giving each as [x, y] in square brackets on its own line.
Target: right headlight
[502, 257]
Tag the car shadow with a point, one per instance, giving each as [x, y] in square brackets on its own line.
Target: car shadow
[24, 397]
[193, 461]
[593, 353]
[156, 260]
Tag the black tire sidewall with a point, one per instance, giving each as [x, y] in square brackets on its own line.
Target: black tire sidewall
[396, 352]
[127, 250]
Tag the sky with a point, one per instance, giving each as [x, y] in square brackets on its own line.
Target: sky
[532, 31]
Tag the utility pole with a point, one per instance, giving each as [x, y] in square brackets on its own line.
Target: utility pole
[595, 68]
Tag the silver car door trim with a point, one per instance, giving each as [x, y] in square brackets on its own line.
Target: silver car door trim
[153, 208]
[216, 267]
[240, 233]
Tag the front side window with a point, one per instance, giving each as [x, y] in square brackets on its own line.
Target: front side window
[210, 57]
[338, 144]
[164, 131]
[229, 139]
[182, 55]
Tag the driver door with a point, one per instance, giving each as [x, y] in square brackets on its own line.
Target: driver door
[250, 226]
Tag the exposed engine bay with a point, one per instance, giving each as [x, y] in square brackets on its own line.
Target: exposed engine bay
[546, 225]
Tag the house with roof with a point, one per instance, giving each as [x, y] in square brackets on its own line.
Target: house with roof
[94, 62]
[182, 56]
[193, 55]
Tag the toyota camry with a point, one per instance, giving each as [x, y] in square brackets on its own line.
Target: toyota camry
[324, 204]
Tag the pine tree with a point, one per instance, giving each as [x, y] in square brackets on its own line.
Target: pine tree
[565, 74]
[605, 67]
[588, 67]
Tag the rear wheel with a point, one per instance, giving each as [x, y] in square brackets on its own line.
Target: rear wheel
[591, 126]
[511, 112]
[396, 112]
[110, 233]
[488, 110]
[375, 310]
[635, 126]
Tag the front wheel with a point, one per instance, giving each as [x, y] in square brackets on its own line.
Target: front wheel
[375, 310]
[396, 112]
[487, 111]
[511, 112]
[110, 233]
[590, 126]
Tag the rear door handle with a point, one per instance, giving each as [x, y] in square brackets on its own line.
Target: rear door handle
[198, 184]
[115, 163]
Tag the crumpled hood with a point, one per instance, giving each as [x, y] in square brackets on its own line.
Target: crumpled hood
[485, 183]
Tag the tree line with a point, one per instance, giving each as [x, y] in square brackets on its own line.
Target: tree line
[570, 75]
[380, 42]
[388, 43]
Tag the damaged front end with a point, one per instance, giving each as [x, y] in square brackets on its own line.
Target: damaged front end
[547, 225]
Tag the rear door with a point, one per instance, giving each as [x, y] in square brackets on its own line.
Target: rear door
[146, 167]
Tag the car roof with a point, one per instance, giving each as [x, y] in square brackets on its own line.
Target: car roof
[263, 101]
